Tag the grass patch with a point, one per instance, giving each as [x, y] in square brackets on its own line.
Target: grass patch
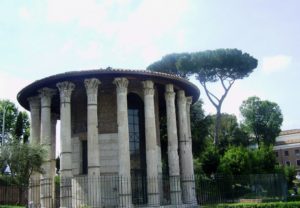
[10, 206]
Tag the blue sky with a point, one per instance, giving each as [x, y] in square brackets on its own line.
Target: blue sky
[42, 38]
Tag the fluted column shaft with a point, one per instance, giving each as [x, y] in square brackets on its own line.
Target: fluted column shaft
[54, 118]
[123, 139]
[186, 157]
[151, 144]
[173, 159]
[91, 86]
[65, 91]
[35, 133]
[189, 101]
[46, 180]
[94, 187]
[35, 124]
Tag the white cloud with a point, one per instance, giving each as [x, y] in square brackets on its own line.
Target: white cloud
[129, 29]
[276, 63]
[92, 51]
[10, 86]
[25, 14]
[87, 13]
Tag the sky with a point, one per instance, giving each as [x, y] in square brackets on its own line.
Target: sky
[43, 38]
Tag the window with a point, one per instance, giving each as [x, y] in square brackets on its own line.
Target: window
[276, 153]
[297, 152]
[298, 162]
[286, 153]
[287, 163]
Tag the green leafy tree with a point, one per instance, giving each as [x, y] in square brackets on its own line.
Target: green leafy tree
[8, 116]
[22, 159]
[212, 66]
[210, 160]
[224, 66]
[199, 128]
[22, 127]
[263, 160]
[262, 118]
[230, 133]
[175, 63]
[236, 161]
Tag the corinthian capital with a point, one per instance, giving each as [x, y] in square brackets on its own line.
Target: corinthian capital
[189, 100]
[34, 102]
[46, 94]
[91, 85]
[65, 90]
[148, 86]
[169, 94]
[121, 84]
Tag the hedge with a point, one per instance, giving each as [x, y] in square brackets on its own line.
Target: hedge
[10, 206]
[262, 205]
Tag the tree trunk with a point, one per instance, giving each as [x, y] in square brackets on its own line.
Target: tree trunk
[217, 126]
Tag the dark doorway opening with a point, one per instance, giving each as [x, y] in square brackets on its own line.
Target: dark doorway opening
[137, 146]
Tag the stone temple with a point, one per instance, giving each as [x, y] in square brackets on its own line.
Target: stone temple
[110, 146]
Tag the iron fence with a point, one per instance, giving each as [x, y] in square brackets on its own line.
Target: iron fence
[13, 195]
[114, 191]
[225, 189]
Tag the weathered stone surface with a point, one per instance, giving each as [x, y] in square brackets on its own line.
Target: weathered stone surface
[151, 144]
[65, 90]
[35, 132]
[173, 159]
[46, 192]
[186, 157]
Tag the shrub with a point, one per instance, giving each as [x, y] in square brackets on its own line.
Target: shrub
[261, 205]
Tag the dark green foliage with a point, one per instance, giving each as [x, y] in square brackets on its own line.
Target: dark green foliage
[261, 205]
[289, 172]
[22, 159]
[199, 127]
[10, 110]
[241, 161]
[175, 63]
[16, 123]
[224, 66]
[262, 118]
[230, 133]
[22, 127]
[221, 65]
[263, 160]
[236, 161]
[210, 160]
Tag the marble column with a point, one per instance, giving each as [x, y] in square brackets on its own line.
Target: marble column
[46, 180]
[151, 145]
[123, 139]
[35, 132]
[94, 195]
[189, 101]
[185, 151]
[65, 91]
[173, 159]
[54, 118]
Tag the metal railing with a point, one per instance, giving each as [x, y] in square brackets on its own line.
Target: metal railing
[226, 189]
[114, 191]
